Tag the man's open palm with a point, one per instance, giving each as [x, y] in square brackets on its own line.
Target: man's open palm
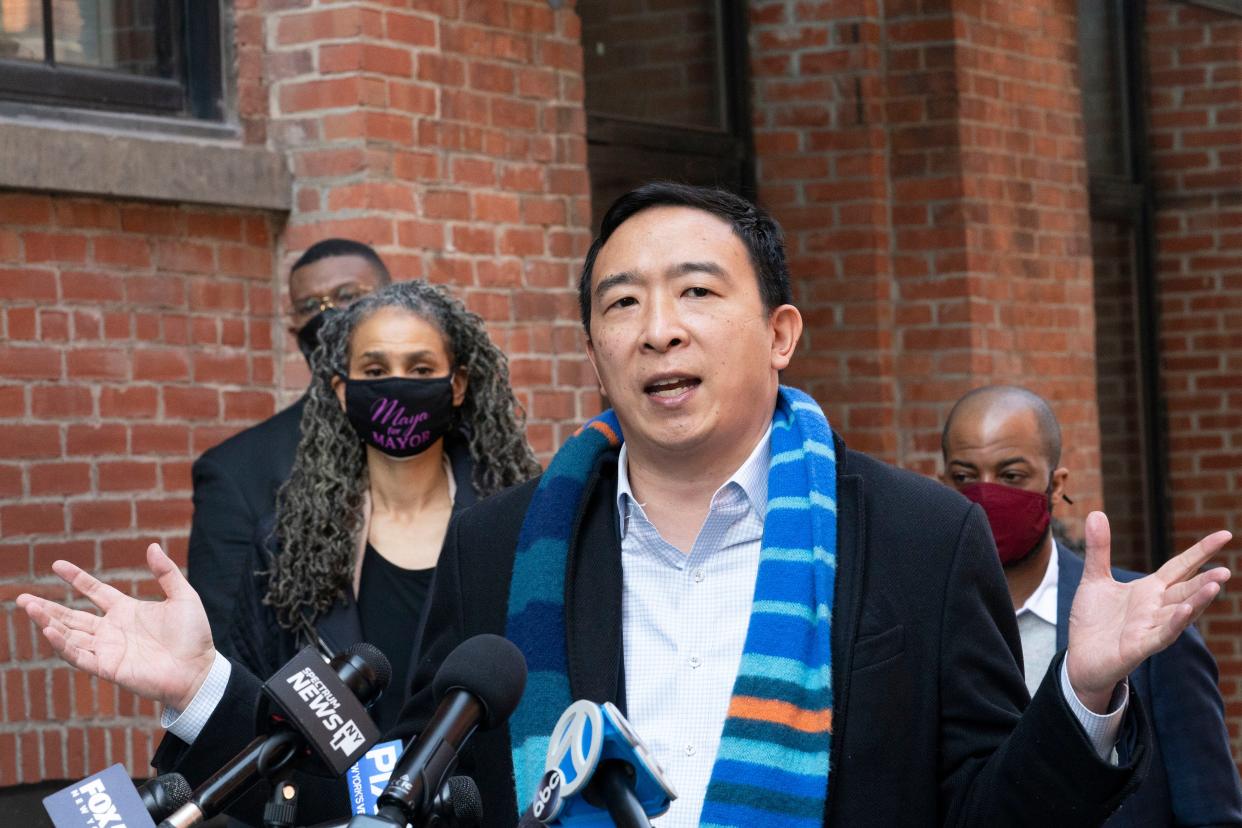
[1115, 626]
[160, 650]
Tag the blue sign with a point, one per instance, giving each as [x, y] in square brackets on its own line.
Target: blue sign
[368, 777]
[106, 800]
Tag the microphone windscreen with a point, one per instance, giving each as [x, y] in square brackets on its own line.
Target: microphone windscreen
[467, 802]
[376, 662]
[164, 794]
[490, 668]
[176, 788]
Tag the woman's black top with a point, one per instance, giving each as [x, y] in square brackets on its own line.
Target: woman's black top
[390, 604]
[257, 642]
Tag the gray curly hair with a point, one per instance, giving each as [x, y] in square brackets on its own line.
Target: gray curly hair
[319, 509]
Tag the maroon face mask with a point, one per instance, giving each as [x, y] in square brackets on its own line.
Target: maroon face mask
[1019, 518]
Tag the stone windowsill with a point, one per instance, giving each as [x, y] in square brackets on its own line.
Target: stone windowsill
[138, 157]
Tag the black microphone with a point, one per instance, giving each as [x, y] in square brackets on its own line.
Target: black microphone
[459, 804]
[479, 684]
[165, 794]
[310, 724]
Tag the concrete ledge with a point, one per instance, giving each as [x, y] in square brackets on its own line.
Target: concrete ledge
[71, 157]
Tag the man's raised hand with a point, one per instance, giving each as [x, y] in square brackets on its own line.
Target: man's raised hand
[1115, 626]
[160, 650]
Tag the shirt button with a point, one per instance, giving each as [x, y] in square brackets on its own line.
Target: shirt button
[699, 575]
[695, 661]
[690, 750]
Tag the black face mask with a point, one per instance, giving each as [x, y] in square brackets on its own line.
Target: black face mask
[308, 334]
[400, 416]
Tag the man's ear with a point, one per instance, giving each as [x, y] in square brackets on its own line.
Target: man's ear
[590, 350]
[786, 325]
[338, 388]
[1058, 485]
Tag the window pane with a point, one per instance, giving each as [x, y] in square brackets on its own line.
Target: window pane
[120, 35]
[653, 60]
[21, 29]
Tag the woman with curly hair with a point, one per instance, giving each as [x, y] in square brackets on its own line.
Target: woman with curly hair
[409, 418]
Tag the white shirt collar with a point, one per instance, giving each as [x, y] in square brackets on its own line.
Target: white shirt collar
[751, 477]
[1043, 601]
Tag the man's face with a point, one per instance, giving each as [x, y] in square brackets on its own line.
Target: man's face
[1000, 444]
[679, 337]
[337, 279]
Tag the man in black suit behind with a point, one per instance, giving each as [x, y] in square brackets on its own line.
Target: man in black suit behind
[235, 483]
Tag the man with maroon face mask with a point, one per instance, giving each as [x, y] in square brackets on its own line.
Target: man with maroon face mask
[1002, 450]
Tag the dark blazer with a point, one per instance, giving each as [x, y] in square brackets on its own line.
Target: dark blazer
[1193, 779]
[928, 689]
[235, 485]
[261, 645]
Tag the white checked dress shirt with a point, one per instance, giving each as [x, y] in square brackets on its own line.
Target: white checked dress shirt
[684, 619]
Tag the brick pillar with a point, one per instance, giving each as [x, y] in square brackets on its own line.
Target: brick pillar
[823, 170]
[450, 136]
[927, 161]
[1195, 58]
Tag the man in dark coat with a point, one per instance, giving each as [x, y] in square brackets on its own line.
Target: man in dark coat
[235, 483]
[1002, 449]
[685, 299]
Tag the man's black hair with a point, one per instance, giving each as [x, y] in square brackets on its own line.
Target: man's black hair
[330, 248]
[757, 230]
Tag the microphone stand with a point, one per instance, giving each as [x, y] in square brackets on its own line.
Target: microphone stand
[281, 810]
[613, 784]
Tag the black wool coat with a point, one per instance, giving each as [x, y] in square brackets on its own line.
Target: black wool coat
[929, 725]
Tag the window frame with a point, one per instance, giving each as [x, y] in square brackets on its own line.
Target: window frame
[730, 143]
[196, 91]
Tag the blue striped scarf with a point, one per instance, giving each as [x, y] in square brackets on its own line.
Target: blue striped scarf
[772, 766]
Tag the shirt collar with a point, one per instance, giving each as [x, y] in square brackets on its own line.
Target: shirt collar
[751, 477]
[1043, 601]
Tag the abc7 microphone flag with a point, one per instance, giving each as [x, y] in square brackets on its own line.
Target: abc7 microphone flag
[586, 735]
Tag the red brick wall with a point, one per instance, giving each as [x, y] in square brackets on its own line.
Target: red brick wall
[448, 134]
[134, 337]
[1195, 58]
[928, 165]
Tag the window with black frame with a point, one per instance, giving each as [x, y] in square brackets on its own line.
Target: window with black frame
[666, 95]
[149, 56]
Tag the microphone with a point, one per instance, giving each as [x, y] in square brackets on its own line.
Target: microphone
[320, 716]
[598, 772]
[458, 805]
[479, 685]
[109, 797]
[165, 794]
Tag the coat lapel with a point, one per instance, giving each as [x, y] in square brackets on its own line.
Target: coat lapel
[1069, 573]
[847, 603]
[593, 594]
